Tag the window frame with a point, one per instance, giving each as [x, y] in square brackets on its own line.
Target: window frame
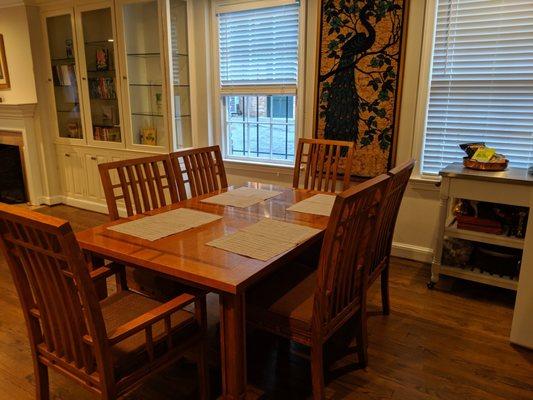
[298, 90]
[422, 103]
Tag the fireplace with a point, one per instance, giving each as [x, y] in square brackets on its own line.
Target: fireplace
[12, 182]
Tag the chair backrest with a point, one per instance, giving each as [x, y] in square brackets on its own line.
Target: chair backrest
[345, 254]
[399, 177]
[143, 184]
[323, 161]
[199, 171]
[59, 302]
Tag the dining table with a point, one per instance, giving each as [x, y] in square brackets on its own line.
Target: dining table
[185, 257]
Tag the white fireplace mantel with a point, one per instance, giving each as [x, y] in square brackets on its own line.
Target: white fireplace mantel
[22, 118]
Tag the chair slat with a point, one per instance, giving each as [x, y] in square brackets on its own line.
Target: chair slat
[320, 159]
[203, 171]
[144, 183]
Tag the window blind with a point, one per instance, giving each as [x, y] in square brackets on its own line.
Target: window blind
[259, 46]
[481, 81]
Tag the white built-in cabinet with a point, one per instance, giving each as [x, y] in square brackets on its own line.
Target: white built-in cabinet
[118, 85]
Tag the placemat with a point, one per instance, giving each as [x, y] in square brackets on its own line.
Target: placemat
[265, 239]
[319, 204]
[158, 226]
[242, 197]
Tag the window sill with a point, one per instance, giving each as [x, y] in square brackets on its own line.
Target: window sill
[241, 165]
[427, 183]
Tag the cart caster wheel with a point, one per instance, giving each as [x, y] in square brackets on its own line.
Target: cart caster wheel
[431, 285]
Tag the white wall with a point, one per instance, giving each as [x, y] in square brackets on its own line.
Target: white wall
[14, 27]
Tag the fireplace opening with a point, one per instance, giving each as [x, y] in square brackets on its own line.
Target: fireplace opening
[11, 175]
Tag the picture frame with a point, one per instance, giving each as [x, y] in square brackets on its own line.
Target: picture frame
[5, 84]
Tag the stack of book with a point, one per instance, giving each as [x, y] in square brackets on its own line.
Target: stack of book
[106, 133]
[479, 224]
[102, 88]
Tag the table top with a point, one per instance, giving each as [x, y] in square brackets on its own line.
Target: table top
[186, 257]
[518, 176]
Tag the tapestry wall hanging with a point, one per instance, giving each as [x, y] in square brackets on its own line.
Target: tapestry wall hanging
[359, 78]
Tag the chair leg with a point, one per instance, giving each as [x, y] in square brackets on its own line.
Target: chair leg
[41, 381]
[362, 337]
[203, 372]
[385, 299]
[317, 371]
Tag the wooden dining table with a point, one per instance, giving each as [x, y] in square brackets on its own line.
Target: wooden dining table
[185, 257]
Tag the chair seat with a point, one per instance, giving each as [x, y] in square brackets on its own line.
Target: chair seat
[283, 303]
[125, 306]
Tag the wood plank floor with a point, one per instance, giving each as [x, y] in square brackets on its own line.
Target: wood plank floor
[448, 343]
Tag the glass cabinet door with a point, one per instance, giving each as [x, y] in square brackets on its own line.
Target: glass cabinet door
[100, 75]
[64, 76]
[180, 87]
[141, 27]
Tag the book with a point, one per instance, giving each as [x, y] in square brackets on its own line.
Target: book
[102, 59]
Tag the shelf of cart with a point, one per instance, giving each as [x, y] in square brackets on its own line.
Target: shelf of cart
[500, 240]
[476, 275]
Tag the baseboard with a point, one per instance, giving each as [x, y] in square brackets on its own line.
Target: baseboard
[85, 204]
[412, 252]
[51, 200]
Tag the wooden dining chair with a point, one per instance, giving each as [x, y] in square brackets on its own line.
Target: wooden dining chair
[110, 347]
[198, 171]
[323, 162]
[307, 305]
[139, 185]
[379, 266]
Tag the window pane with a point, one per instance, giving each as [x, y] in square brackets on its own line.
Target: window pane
[259, 46]
[260, 127]
[481, 81]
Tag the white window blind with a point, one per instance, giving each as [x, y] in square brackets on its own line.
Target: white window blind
[481, 81]
[259, 46]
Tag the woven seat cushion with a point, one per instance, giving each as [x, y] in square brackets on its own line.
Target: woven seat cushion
[125, 306]
[284, 301]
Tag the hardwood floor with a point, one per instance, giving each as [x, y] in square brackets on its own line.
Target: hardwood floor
[448, 343]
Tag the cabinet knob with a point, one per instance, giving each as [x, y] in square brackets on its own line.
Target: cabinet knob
[125, 77]
[93, 158]
[49, 79]
[67, 155]
[83, 78]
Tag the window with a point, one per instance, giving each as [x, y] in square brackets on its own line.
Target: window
[481, 85]
[257, 80]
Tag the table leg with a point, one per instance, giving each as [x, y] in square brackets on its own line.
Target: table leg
[233, 346]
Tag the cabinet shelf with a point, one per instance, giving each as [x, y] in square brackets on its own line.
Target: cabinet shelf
[143, 54]
[101, 70]
[482, 277]
[99, 42]
[490, 238]
[69, 60]
[146, 114]
[147, 84]
[181, 116]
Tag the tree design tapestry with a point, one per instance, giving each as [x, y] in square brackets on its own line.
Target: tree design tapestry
[359, 78]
